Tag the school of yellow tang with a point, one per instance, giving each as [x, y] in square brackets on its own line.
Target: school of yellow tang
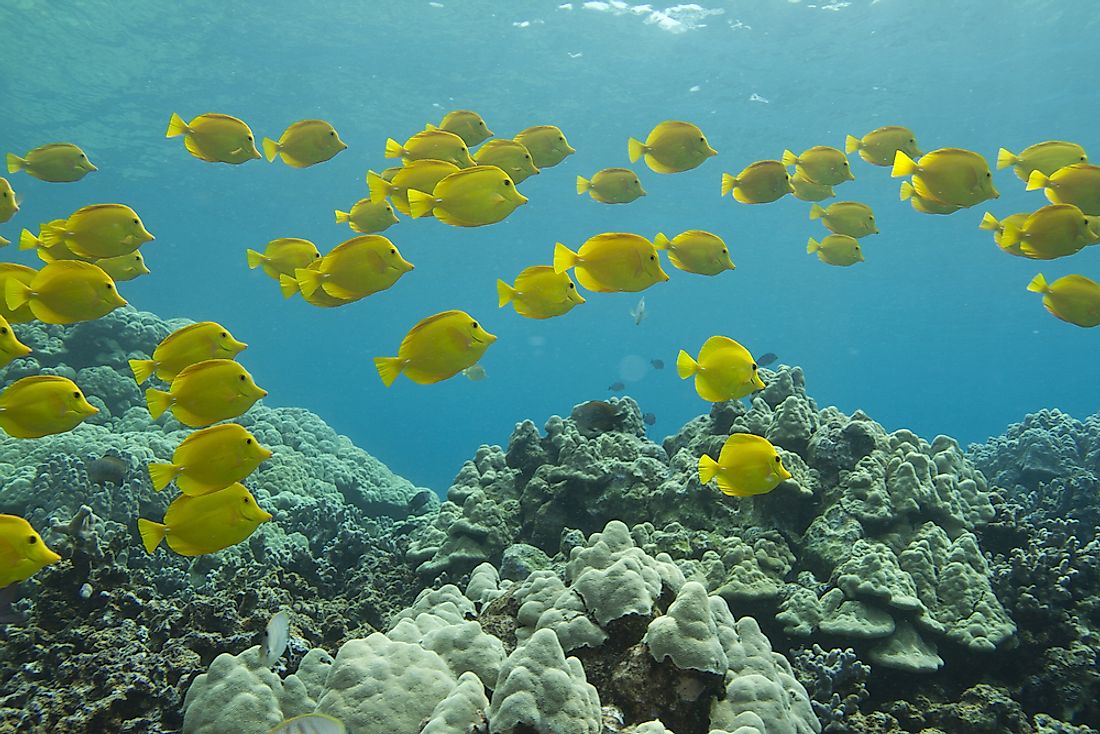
[88, 252]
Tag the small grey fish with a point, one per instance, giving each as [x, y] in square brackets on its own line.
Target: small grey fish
[310, 724]
[638, 312]
[616, 387]
[596, 417]
[475, 373]
[658, 364]
[108, 468]
[649, 419]
[765, 359]
[276, 638]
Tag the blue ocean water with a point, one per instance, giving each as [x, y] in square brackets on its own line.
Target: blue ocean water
[934, 332]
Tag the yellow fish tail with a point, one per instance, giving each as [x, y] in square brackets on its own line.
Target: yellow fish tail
[162, 474]
[661, 242]
[1037, 180]
[342, 217]
[686, 366]
[564, 258]
[789, 158]
[903, 165]
[15, 163]
[389, 368]
[156, 400]
[393, 148]
[27, 240]
[176, 126]
[1038, 284]
[816, 212]
[583, 184]
[728, 184]
[16, 294]
[989, 222]
[420, 204]
[851, 144]
[271, 149]
[54, 233]
[505, 294]
[1006, 158]
[151, 533]
[289, 286]
[812, 246]
[635, 149]
[1010, 236]
[708, 468]
[255, 259]
[142, 369]
[379, 187]
[906, 190]
[308, 280]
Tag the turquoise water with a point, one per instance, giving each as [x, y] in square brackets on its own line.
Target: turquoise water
[934, 331]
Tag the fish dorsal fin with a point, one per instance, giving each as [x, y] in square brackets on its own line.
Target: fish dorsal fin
[528, 280]
[303, 124]
[721, 343]
[219, 116]
[197, 367]
[425, 323]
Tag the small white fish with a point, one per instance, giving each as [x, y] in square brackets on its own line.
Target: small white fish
[757, 98]
[475, 373]
[310, 724]
[276, 638]
[638, 312]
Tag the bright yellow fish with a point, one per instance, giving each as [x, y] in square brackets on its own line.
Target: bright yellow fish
[509, 156]
[438, 145]
[612, 186]
[9, 204]
[467, 125]
[305, 143]
[1078, 184]
[215, 138]
[997, 227]
[748, 465]
[367, 216]
[725, 370]
[539, 293]
[49, 254]
[437, 348]
[355, 269]
[806, 190]
[820, 164]
[416, 175]
[187, 346]
[673, 146]
[210, 459]
[473, 197]
[65, 292]
[1074, 299]
[289, 285]
[925, 205]
[283, 256]
[546, 143]
[696, 251]
[123, 267]
[98, 231]
[880, 146]
[208, 523]
[206, 392]
[948, 175]
[42, 405]
[760, 183]
[836, 249]
[612, 262]
[1046, 157]
[10, 347]
[23, 275]
[846, 217]
[56, 162]
[23, 553]
[1055, 230]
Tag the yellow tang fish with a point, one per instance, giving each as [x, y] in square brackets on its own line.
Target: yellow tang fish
[208, 523]
[948, 175]
[21, 274]
[438, 347]
[437, 145]
[925, 205]
[696, 251]
[509, 156]
[612, 262]
[997, 227]
[760, 183]
[23, 553]
[821, 164]
[846, 217]
[546, 143]
[206, 392]
[123, 267]
[724, 370]
[880, 146]
[305, 143]
[540, 293]
[289, 285]
[98, 231]
[187, 346]
[65, 292]
[9, 204]
[56, 163]
[836, 249]
[42, 405]
[466, 124]
[1055, 230]
[283, 256]
[612, 186]
[1074, 299]
[672, 147]
[355, 268]
[210, 459]
[49, 254]
[471, 198]
[10, 347]
[215, 138]
[748, 465]
[806, 190]
[368, 217]
[1046, 157]
[1078, 184]
[417, 175]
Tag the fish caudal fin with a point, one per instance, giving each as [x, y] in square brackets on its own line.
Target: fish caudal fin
[15, 163]
[27, 240]
[708, 469]
[271, 149]
[686, 366]
[388, 368]
[1038, 284]
[156, 400]
[728, 184]
[635, 149]
[903, 165]
[142, 369]
[393, 148]
[308, 280]
[505, 294]
[54, 232]
[1006, 158]
[379, 187]
[176, 126]
[812, 246]
[564, 258]
[420, 204]
[816, 211]
[661, 242]
[851, 144]
[151, 533]
[255, 259]
[906, 190]
[162, 474]
[989, 222]
[1037, 180]
[342, 217]
[583, 184]
[288, 285]
[16, 294]
[789, 158]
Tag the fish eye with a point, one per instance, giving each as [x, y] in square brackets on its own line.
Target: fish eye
[777, 459]
[333, 133]
[110, 286]
[5, 194]
[988, 174]
[474, 325]
[249, 137]
[248, 441]
[245, 499]
[241, 378]
[32, 539]
[754, 366]
[652, 257]
[702, 140]
[525, 155]
[83, 156]
[481, 122]
[570, 285]
[76, 394]
[3, 330]
[725, 251]
[136, 222]
[225, 335]
[393, 250]
[507, 182]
